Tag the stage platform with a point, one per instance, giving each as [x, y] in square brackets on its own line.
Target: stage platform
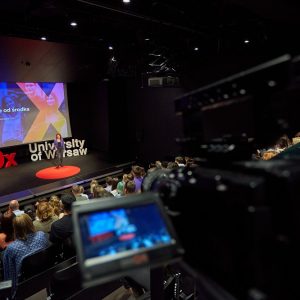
[20, 182]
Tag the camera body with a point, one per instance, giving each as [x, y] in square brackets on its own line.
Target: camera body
[238, 219]
[239, 225]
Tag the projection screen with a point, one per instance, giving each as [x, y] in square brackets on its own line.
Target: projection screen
[32, 112]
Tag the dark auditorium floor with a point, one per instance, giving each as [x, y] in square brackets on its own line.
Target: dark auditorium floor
[18, 182]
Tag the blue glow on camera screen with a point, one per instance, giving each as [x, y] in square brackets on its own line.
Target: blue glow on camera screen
[121, 230]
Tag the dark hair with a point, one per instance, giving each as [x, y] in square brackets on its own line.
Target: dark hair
[164, 164]
[114, 183]
[137, 171]
[283, 142]
[108, 180]
[179, 160]
[7, 225]
[67, 200]
[30, 210]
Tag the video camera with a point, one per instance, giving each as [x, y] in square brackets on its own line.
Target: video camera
[238, 219]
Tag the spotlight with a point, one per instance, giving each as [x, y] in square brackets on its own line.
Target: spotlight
[43, 38]
[246, 41]
[196, 48]
[73, 24]
[111, 48]
[126, 1]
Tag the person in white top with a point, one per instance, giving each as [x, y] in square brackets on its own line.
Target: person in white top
[14, 207]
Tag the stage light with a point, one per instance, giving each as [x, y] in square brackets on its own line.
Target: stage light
[196, 48]
[43, 38]
[246, 41]
[73, 24]
[111, 48]
[147, 39]
[126, 1]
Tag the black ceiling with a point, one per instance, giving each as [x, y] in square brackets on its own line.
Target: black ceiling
[174, 28]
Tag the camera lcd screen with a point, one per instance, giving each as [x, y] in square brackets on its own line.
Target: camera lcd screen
[119, 232]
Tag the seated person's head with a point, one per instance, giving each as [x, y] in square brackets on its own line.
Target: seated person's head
[137, 171]
[14, 205]
[108, 180]
[130, 177]
[76, 189]
[179, 160]
[129, 187]
[283, 142]
[67, 201]
[101, 192]
[114, 183]
[23, 226]
[172, 165]
[44, 211]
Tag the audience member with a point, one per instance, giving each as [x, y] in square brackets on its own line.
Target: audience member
[93, 184]
[82, 192]
[7, 231]
[77, 192]
[56, 206]
[101, 192]
[130, 187]
[296, 138]
[121, 184]
[41, 200]
[180, 161]
[61, 232]
[172, 165]
[108, 184]
[30, 211]
[114, 184]
[14, 207]
[138, 179]
[282, 143]
[45, 217]
[164, 164]
[27, 241]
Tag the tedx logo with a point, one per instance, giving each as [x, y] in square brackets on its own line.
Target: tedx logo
[7, 160]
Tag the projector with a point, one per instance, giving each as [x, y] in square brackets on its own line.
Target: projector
[163, 81]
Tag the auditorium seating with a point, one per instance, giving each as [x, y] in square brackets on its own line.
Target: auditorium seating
[36, 283]
[65, 282]
[38, 262]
